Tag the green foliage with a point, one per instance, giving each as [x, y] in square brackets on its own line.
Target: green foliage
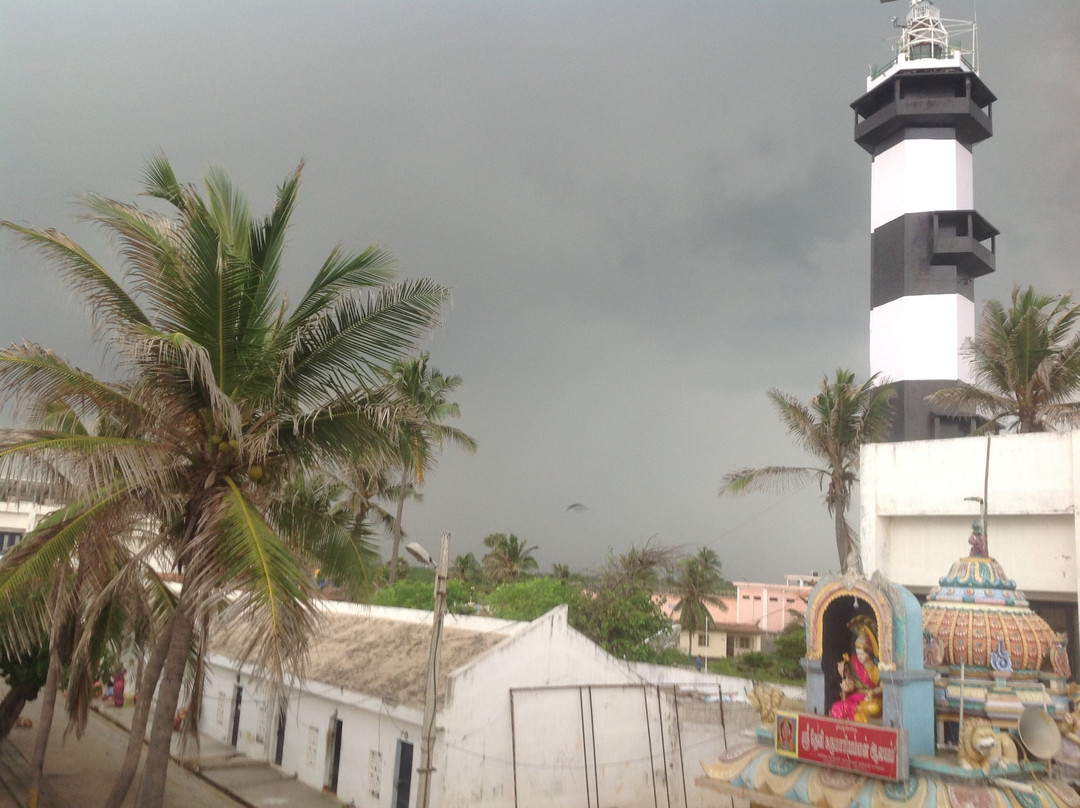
[748, 663]
[26, 672]
[789, 649]
[527, 600]
[416, 593]
[467, 569]
[509, 557]
[620, 620]
[669, 656]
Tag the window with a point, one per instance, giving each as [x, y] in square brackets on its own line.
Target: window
[9, 539]
[703, 639]
[744, 643]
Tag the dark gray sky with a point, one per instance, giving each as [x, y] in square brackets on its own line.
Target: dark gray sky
[649, 214]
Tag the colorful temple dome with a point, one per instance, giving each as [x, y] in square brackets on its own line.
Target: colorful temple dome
[977, 616]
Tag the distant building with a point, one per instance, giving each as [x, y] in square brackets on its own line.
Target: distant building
[772, 606]
[739, 623]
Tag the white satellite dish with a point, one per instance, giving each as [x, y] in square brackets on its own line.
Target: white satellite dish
[1039, 732]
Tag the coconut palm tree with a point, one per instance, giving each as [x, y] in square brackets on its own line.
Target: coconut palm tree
[1026, 363]
[509, 557]
[426, 390]
[833, 426]
[694, 585]
[91, 607]
[225, 394]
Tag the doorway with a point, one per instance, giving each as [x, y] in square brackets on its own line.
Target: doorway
[333, 755]
[403, 774]
[279, 746]
[238, 697]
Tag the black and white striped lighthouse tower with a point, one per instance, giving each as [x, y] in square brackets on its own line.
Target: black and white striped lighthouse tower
[919, 119]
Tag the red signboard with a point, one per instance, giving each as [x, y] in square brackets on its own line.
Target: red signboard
[864, 748]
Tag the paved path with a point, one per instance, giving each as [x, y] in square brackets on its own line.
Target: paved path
[79, 772]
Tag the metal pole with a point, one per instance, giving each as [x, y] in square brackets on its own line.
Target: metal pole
[434, 651]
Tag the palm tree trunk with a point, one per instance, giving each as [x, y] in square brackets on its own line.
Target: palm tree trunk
[41, 742]
[846, 543]
[147, 683]
[10, 708]
[172, 677]
[397, 526]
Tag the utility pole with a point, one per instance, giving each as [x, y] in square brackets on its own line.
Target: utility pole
[427, 742]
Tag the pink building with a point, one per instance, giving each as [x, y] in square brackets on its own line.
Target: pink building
[738, 622]
[771, 606]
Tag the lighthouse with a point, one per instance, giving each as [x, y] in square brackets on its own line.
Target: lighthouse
[919, 120]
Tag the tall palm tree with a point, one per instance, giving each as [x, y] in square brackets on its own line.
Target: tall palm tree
[833, 426]
[1026, 361]
[426, 390]
[225, 393]
[694, 585]
[509, 557]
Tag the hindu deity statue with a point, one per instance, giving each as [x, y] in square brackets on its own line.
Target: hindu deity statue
[860, 681]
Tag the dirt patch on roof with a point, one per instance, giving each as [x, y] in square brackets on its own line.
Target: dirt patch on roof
[384, 658]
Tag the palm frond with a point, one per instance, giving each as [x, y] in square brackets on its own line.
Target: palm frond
[340, 350]
[772, 479]
[109, 305]
[271, 588]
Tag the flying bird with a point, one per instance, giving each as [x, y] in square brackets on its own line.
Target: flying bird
[577, 506]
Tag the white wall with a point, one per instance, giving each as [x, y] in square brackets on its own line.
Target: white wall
[371, 730]
[915, 520]
[477, 717]
[22, 515]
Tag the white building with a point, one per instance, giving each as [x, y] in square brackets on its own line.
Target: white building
[22, 506]
[917, 510]
[529, 714]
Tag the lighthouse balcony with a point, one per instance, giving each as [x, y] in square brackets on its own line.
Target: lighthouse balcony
[958, 239]
[953, 100]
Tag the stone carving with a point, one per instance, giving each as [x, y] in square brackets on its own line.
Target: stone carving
[981, 747]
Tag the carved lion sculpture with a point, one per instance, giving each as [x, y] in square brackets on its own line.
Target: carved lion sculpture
[981, 747]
